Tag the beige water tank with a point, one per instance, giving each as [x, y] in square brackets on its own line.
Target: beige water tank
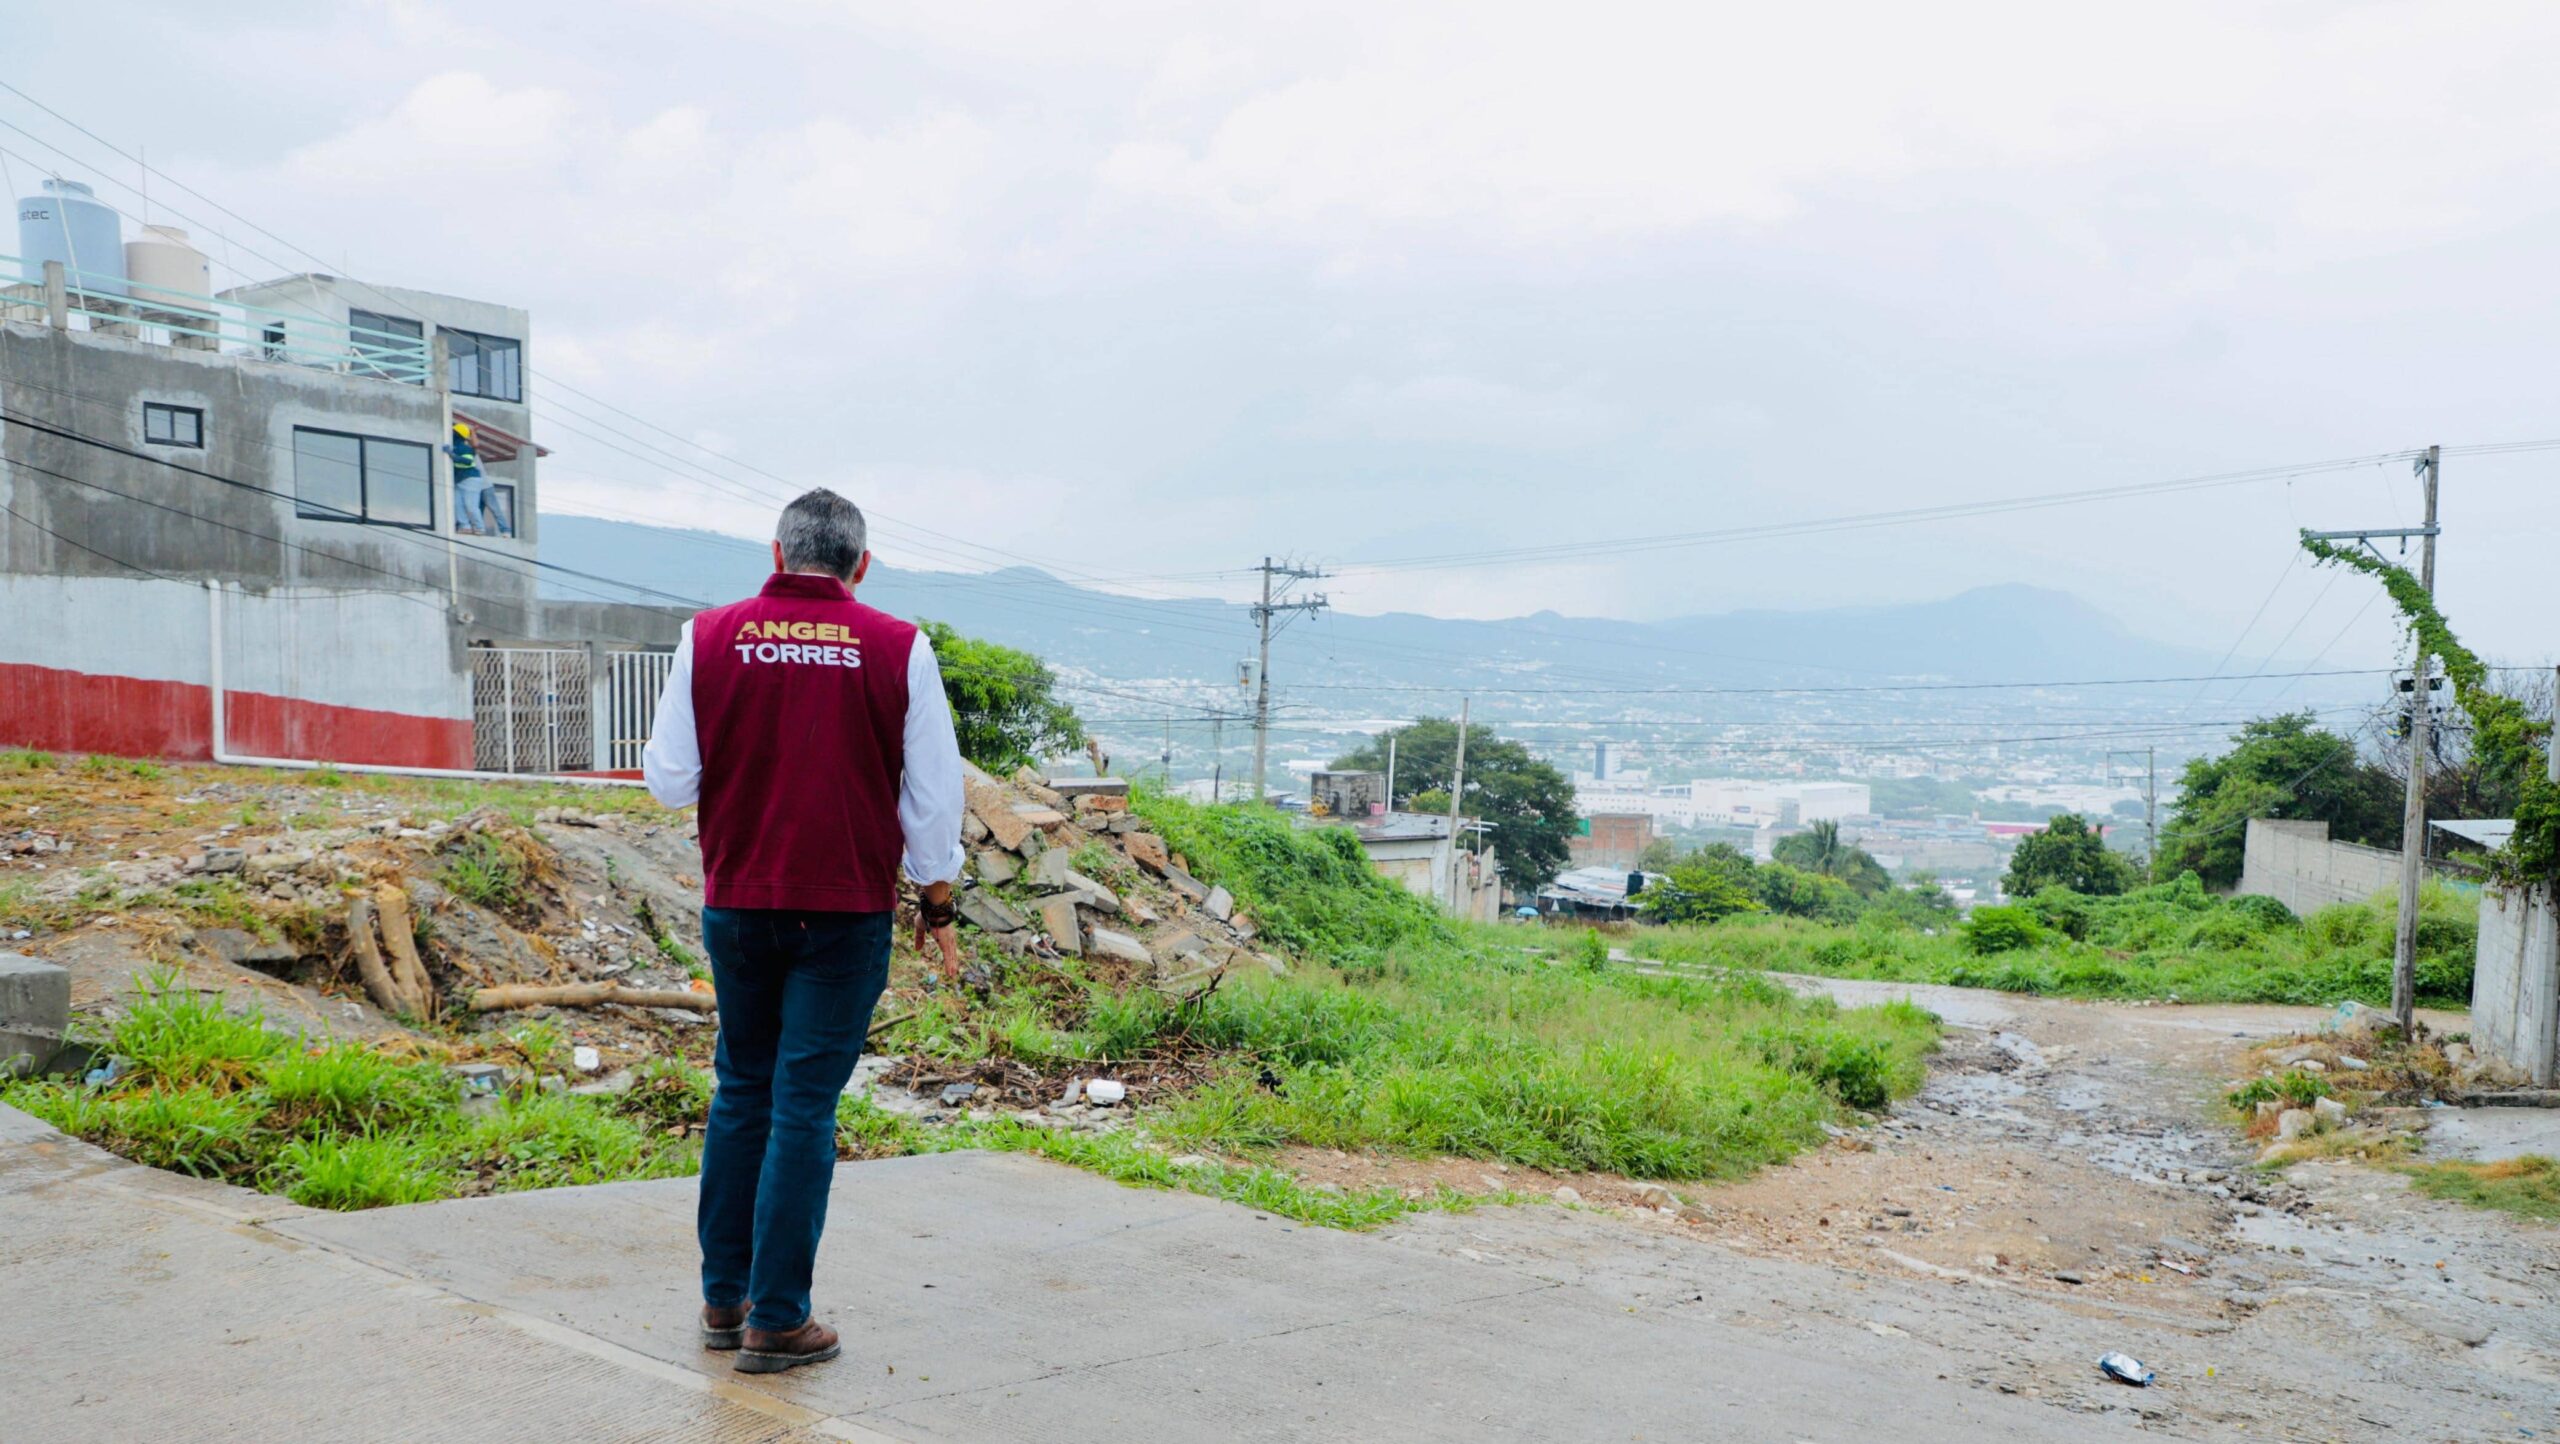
[162, 266]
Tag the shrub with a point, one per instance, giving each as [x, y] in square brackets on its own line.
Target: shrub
[1591, 951]
[2000, 930]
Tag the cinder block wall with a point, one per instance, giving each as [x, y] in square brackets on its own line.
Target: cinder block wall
[2515, 983]
[2296, 864]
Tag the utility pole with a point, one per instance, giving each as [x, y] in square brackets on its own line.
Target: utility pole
[1391, 772]
[1263, 612]
[2413, 812]
[1457, 797]
[2150, 800]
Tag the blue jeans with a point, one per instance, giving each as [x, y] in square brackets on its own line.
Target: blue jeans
[796, 991]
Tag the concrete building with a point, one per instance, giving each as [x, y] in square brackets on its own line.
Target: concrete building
[1416, 850]
[1727, 801]
[250, 490]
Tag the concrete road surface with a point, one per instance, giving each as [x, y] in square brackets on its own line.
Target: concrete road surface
[983, 1298]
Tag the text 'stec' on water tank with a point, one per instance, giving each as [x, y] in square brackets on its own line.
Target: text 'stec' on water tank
[67, 223]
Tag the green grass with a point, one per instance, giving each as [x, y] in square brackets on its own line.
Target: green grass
[140, 769]
[214, 1094]
[25, 759]
[486, 870]
[2171, 940]
[1401, 1032]
[2528, 1187]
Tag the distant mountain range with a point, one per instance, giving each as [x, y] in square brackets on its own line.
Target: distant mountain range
[1344, 663]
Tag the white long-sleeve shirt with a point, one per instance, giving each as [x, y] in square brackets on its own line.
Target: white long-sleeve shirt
[931, 793]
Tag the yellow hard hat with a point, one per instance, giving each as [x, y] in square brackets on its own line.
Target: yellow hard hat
[462, 430]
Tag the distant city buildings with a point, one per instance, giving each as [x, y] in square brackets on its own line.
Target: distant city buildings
[1725, 802]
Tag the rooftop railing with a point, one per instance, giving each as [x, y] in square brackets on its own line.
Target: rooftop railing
[115, 305]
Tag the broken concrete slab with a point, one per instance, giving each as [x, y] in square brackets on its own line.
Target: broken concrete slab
[1104, 943]
[1148, 851]
[995, 810]
[1093, 894]
[1090, 786]
[986, 912]
[1051, 868]
[997, 868]
[1058, 920]
[1041, 816]
[1187, 885]
[1181, 943]
[1219, 904]
[35, 1008]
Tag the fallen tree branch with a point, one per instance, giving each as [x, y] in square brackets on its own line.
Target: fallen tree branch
[376, 978]
[587, 995]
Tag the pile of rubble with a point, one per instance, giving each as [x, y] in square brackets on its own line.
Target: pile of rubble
[1036, 845]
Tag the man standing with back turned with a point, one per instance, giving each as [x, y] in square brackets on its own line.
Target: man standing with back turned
[813, 731]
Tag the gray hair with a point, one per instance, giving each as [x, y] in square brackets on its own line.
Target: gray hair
[822, 532]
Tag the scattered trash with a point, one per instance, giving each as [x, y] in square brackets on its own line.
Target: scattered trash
[2125, 1368]
[2068, 1276]
[1103, 1092]
[586, 1059]
[955, 1094]
[479, 1078]
[1073, 1095]
[112, 1069]
[698, 985]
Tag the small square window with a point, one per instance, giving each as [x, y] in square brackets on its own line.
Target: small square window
[173, 425]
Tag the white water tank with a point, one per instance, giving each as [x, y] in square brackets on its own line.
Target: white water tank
[66, 223]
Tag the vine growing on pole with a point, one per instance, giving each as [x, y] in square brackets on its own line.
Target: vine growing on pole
[2509, 743]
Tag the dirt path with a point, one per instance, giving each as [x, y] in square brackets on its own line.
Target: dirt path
[2064, 1186]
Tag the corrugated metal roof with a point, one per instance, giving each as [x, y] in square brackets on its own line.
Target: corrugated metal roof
[2486, 831]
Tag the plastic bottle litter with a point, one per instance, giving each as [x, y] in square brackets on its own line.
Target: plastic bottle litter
[2126, 1369]
[1103, 1092]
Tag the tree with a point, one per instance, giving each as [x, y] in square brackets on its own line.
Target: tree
[1820, 850]
[1794, 892]
[2068, 853]
[1699, 892]
[1003, 703]
[2279, 766]
[1528, 803]
[1660, 855]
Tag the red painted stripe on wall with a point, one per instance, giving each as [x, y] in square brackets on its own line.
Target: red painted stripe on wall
[63, 711]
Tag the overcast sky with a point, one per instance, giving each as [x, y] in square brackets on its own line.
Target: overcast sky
[1156, 289]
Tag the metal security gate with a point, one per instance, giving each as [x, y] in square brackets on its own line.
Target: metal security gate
[530, 709]
[632, 683]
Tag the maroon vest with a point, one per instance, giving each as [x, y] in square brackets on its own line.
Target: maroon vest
[800, 701]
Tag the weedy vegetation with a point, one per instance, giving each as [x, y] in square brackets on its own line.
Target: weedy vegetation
[2528, 1187]
[2173, 940]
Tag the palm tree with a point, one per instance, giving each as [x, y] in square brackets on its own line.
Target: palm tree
[1825, 851]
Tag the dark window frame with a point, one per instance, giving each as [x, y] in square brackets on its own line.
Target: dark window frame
[381, 324]
[193, 413]
[480, 350]
[363, 515]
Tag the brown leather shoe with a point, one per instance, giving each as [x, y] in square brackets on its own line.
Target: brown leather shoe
[765, 1351]
[724, 1329]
